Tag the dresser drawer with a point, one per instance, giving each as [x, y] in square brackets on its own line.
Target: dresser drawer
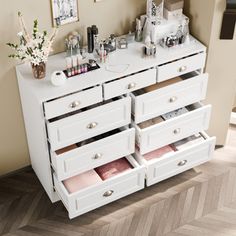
[177, 162]
[147, 105]
[180, 67]
[73, 102]
[129, 84]
[94, 154]
[103, 192]
[90, 123]
[158, 135]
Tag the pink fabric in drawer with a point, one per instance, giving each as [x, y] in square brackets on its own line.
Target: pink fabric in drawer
[113, 168]
[158, 153]
[81, 181]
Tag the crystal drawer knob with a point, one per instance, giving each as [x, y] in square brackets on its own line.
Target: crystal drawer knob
[176, 131]
[182, 163]
[182, 69]
[92, 125]
[173, 99]
[74, 104]
[108, 193]
[131, 86]
[97, 156]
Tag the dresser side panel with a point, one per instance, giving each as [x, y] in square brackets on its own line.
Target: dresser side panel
[36, 137]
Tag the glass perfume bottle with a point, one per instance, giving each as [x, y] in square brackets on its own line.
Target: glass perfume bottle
[159, 12]
[155, 11]
[186, 32]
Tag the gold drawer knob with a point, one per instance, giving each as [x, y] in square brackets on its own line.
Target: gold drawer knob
[108, 193]
[173, 99]
[182, 163]
[131, 86]
[74, 104]
[182, 69]
[176, 131]
[92, 125]
[97, 156]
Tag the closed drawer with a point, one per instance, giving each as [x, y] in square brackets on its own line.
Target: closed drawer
[180, 67]
[177, 162]
[90, 123]
[103, 192]
[147, 105]
[93, 154]
[158, 135]
[73, 102]
[129, 83]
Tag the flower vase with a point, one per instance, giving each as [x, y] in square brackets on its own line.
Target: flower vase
[39, 71]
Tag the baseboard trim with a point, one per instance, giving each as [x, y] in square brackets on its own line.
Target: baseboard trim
[26, 168]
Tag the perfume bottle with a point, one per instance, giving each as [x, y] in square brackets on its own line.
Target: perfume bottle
[186, 33]
[159, 12]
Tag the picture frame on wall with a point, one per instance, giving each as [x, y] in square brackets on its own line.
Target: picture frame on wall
[64, 11]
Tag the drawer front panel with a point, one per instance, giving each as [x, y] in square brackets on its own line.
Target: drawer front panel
[161, 101]
[93, 155]
[129, 84]
[73, 102]
[90, 123]
[95, 196]
[173, 130]
[181, 67]
[180, 162]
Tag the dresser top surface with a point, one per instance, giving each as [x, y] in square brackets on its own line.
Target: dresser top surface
[124, 61]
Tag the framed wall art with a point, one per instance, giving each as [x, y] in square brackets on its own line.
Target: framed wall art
[64, 11]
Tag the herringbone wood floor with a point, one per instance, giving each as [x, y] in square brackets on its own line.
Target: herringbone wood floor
[199, 202]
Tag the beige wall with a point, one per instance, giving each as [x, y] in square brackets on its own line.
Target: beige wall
[234, 102]
[111, 16]
[220, 64]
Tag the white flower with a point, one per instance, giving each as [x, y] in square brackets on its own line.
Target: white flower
[31, 44]
[20, 34]
[39, 35]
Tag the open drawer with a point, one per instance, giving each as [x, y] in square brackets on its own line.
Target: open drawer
[92, 153]
[173, 163]
[89, 123]
[103, 192]
[168, 96]
[171, 127]
[180, 67]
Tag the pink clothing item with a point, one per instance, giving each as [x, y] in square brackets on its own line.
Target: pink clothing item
[158, 153]
[113, 168]
[81, 181]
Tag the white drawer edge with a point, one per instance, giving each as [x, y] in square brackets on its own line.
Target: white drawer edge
[181, 66]
[210, 144]
[169, 156]
[132, 161]
[67, 119]
[68, 198]
[62, 134]
[181, 117]
[129, 84]
[91, 96]
[59, 166]
[141, 102]
[195, 79]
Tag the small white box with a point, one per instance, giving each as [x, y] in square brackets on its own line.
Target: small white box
[173, 15]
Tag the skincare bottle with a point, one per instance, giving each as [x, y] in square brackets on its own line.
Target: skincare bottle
[90, 40]
[74, 64]
[138, 32]
[68, 66]
[95, 40]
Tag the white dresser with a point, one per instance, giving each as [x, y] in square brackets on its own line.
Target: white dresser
[127, 96]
